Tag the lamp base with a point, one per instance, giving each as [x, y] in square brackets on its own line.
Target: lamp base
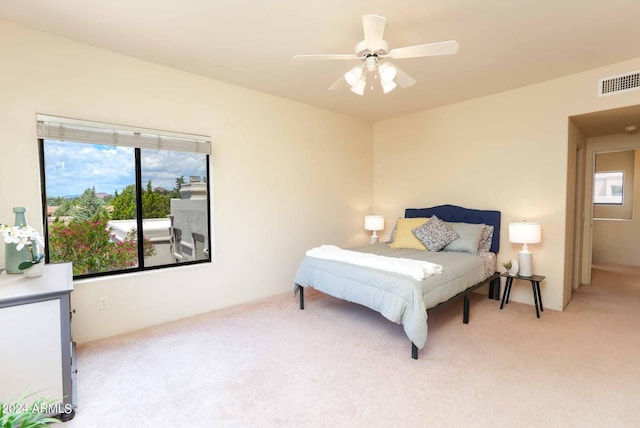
[525, 259]
[374, 239]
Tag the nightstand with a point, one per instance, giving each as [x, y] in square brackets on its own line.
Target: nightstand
[535, 286]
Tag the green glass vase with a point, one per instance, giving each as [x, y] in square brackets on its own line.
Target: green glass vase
[13, 257]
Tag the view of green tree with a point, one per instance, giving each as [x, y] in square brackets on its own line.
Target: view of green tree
[66, 208]
[88, 245]
[55, 201]
[155, 204]
[86, 240]
[124, 204]
[89, 206]
[179, 182]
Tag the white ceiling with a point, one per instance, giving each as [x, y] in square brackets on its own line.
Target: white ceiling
[504, 44]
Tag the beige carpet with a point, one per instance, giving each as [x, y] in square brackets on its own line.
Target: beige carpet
[337, 364]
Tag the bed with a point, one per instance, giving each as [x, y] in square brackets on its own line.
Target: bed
[404, 299]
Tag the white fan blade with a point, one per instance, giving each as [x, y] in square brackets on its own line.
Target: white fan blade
[323, 57]
[449, 47]
[403, 79]
[338, 84]
[373, 26]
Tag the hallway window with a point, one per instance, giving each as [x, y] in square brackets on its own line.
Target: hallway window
[608, 188]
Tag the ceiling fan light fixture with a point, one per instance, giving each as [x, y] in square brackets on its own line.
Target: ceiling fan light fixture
[371, 62]
[358, 88]
[388, 86]
[353, 76]
[387, 72]
[373, 50]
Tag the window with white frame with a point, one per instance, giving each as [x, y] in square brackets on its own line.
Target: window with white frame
[121, 199]
[608, 188]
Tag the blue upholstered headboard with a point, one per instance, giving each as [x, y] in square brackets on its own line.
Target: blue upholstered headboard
[454, 213]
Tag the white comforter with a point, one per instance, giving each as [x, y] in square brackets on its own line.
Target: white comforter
[417, 269]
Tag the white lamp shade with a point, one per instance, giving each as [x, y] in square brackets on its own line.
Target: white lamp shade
[387, 72]
[373, 222]
[358, 88]
[525, 233]
[388, 86]
[352, 76]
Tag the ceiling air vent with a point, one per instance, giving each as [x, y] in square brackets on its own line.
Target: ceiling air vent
[617, 84]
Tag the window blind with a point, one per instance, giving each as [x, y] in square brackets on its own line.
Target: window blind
[66, 129]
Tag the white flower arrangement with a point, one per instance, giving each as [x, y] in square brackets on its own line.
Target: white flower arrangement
[24, 236]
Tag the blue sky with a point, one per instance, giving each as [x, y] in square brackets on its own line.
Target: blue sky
[71, 168]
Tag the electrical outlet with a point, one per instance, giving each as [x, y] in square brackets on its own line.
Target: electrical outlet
[104, 303]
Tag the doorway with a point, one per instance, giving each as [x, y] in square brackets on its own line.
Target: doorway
[608, 131]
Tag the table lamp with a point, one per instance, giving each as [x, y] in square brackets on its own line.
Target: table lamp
[374, 223]
[525, 233]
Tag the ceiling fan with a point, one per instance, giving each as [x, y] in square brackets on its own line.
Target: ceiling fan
[372, 50]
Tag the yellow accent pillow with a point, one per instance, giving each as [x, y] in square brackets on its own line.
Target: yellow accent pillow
[404, 233]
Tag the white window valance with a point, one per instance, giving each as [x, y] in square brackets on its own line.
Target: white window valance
[66, 129]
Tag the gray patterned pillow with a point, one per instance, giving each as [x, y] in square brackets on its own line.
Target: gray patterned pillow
[435, 234]
[485, 239]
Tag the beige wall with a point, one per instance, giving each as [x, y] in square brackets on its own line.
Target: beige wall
[285, 176]
[616, 241]
[507, 151]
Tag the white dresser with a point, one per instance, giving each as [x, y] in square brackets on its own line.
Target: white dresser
[37, 355]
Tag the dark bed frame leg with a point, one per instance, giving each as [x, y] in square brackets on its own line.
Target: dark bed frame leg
[494, 289]
[301, 291]
[465, 309]
[414, 351]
